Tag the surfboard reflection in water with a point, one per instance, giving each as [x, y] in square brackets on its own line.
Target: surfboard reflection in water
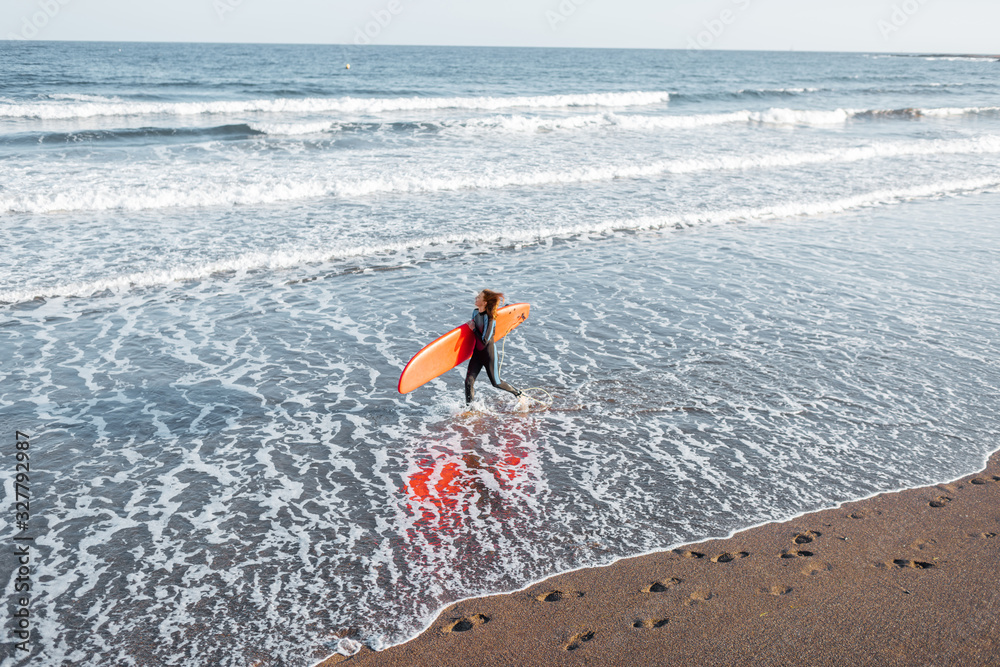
[470, 492]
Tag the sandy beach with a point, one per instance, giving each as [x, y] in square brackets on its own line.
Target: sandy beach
[905, 578]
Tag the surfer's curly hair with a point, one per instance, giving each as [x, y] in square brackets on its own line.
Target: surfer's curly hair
[493, 301]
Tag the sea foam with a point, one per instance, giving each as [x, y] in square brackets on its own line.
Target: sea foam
[348, 105]
[263, 188]
[285, 259]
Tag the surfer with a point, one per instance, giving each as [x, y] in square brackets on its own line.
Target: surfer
[483, 324]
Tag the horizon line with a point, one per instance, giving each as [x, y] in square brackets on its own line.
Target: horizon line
[927, 54]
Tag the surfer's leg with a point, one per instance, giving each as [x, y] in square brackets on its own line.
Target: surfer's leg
[475, 365]
[493, 371]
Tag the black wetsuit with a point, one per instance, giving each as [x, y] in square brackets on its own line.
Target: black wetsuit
[484, 356]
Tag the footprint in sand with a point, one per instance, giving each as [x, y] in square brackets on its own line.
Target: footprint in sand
[940, 501]
[920, 545]
[914, 564]
[688, 554]
[780, 590]
[698, 597]
[988, 536]
[578, 640]
[855, 515]
[648, 623]
[556, 596]
[787, 553]
[728, 557]
[661, 586]
[806, 537]
[815, 568]
[465, 624]
[978, 481]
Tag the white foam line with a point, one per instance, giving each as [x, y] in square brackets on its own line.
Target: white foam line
[971, 59]
[772, 116]
[275, 261]
[775, 91]
[290, 129]
[775, 116]
[626, 122]
[353, 105]
[958, 111]
[983, 145]
[671, 547]
[269, 192]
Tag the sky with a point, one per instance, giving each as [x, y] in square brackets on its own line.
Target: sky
[901, 26]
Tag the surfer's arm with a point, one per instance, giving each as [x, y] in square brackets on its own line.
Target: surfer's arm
[488, 329]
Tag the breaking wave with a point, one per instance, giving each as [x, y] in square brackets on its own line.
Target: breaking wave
[273, 261]
[263, 189]
[347, 105]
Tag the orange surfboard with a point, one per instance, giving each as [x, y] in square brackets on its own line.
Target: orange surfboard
[455, 347]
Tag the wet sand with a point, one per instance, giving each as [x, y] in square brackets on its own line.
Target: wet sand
[908, 578]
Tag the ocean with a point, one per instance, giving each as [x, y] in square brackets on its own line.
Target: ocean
[761, 284]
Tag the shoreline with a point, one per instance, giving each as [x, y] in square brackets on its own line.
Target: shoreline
[897, 578]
